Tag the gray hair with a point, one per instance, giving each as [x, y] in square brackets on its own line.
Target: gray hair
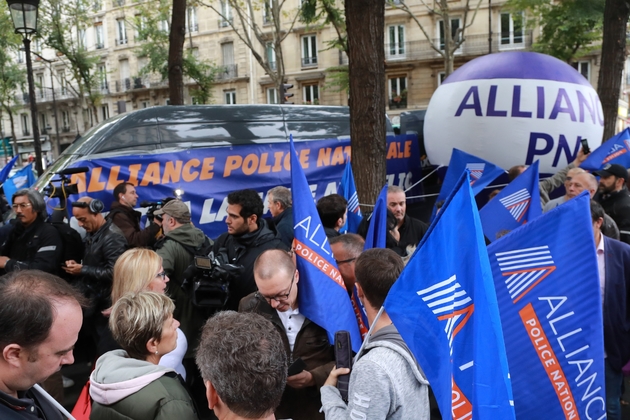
[351, 242]
[242, 355]
[281, 195]
[36, 200]
[394, 189]
[137, 318]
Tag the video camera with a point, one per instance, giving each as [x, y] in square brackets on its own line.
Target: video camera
[65, 188]
[154, 205]
[207, 280]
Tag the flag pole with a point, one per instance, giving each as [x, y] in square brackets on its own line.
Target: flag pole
[428, 175]
[378, 315]
[53, 401]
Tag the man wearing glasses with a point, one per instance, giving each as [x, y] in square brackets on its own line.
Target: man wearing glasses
[311, 356]
[32, 243]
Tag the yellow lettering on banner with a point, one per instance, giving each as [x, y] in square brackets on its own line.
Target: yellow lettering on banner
[134, 170]
[113, 178]
[264, 168]
[172, 171]
[232, 162]
[189, 175]
[207, 169]
[304, 158]
[151, 175]
[338, 157]
[95, 183]
[323, 158]
[277, 161]
[250, 164]
[79, 179]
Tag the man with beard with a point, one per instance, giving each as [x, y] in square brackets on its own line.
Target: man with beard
[408, 231]
[614, 197]
[32, 243]
[247, 237]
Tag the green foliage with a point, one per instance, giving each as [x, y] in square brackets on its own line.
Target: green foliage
[12, 75]
[155, 45]
[321, 13]
[570, 28]
[337, 79]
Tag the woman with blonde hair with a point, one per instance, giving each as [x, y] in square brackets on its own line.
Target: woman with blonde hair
[132, 383]
[140, 270]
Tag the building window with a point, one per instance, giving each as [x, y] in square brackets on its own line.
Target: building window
[441, 77]
[397, 92]
[272, 96]
[99, 36]
[511, 29]
[121, 32]
[396, 39]
[63, 83]
[90, 117]
[65, 121]
[271, 56]
[43, 123]
[119, 3]
[191, 19]
[455, 24]
[82, 38]
[584, 68]
[102, 77]
[146, 104]
[20, 56]
[97, 5]
[310, 94]
[309, 50]
[163, 25]
[25, 125]
[227, 50]
[105, 111]
[226, 14]
[267, 14]
[230, 97]
[40, 85]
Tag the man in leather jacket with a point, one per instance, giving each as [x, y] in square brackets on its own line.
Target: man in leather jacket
[127, 219]
[104, 243]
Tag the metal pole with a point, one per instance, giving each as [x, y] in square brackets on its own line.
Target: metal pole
[489, 26]
[31, 94]
[52, 88]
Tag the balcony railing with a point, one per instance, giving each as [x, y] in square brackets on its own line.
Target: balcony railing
[121, 41]
[100, 45]
[309, 61]
[225, 23]
[193, 28]
[398, 102]
[229, 71]
[145, 82]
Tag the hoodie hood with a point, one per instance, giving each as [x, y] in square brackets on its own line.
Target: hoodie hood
[390, 338]
[116, 376]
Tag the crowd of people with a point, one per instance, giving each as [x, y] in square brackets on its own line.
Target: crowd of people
[159, 355]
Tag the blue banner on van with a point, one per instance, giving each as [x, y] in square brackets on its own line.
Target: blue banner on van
[208, 175]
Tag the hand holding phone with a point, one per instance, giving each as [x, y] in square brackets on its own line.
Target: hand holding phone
[343, 359]
[585, 147]
[296, 367]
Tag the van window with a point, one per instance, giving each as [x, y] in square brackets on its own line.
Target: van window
[229, 132]
[136, 138]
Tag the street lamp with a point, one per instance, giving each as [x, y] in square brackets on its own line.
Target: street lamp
[24, 15]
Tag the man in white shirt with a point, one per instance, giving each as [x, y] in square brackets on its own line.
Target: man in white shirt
[277, 280]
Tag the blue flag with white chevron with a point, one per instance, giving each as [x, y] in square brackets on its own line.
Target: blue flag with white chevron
[482, 173]
[515, 205]
[614, 150]
[322, 296]
[24, 178]
[445, 308]
[348, 190]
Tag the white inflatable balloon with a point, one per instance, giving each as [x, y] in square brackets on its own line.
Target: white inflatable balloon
[514, 108]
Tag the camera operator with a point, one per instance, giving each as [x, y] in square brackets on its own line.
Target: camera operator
[124, 216]
[32, 243]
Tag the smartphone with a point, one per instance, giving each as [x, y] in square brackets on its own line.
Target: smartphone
[585, 147]
[343, 359]
[296, 367]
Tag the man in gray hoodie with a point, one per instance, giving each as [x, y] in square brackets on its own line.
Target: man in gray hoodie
[386, 382]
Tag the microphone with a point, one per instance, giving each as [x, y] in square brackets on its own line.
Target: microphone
[70, 171]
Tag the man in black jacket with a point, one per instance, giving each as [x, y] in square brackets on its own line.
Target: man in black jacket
[280, 207]
[104, 243]
[614, 197]
[247, 237]
[127, 219]
[408, 231]
[32, 243]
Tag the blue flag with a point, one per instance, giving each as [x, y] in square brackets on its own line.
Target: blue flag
[615, 150]
[514, 206]
[377, 231]
[4, 173]
[547, 286]
[482, 173]
[445, 308]
[348, 190]
[23, 178]
[322, 296]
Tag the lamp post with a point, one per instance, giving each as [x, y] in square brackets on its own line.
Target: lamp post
[24, 15]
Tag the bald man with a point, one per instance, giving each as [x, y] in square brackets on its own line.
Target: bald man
[568, 195]
[278, 280]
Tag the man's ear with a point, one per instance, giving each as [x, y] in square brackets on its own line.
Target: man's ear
[11, 354]
[339, 223]
[359, 291]
[211, 395]
[253, 219]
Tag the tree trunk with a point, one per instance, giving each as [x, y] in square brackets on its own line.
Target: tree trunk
[365, 20]
[616, 15]
[176, 53]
